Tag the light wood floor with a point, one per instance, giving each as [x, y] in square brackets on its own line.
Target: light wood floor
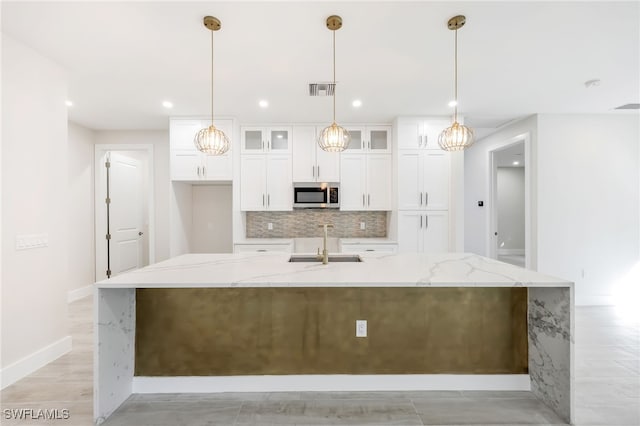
[607, 391]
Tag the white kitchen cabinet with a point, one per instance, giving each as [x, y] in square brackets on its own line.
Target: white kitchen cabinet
[258, 140]
[189, 164]
[423, 180]
[265, 182]
[374, 139]
[365, 182]
[423, 232]
[418, 133]
[310, 162]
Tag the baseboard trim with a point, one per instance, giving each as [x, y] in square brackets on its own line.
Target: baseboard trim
[326, 383]
[79, 293]
[513, 252]
[27, 365]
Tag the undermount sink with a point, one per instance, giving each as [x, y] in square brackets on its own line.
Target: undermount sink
[332, 258]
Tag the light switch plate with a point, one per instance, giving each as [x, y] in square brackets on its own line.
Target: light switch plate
[361, 328]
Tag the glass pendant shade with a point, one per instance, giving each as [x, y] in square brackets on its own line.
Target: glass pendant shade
[334, 138]
[456, 137]
[211, 141]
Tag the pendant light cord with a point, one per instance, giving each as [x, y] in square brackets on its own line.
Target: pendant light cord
[212, 77]
[455, 111]
[334, 76]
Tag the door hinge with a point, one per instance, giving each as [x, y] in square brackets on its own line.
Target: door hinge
[108, 236]
[108, 273]
[107, 164]
[107, 200]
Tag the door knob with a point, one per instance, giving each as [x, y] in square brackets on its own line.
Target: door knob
[140, 233]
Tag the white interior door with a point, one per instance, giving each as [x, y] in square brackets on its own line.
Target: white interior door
[125, 213]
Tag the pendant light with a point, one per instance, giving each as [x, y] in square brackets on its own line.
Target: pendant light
[210, 140]
[334, 138]
[456, 137]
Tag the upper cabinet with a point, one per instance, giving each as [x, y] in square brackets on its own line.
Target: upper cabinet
[375, 139]
[259, 140]
[366, 182]
[416, 133]
[310, 162]
[189, 164]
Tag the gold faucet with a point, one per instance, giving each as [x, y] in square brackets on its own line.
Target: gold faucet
[325, 253]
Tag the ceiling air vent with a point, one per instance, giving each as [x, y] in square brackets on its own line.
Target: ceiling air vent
[629, 106]
[321, 89]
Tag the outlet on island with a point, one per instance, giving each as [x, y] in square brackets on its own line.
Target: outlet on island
[270, 226]
[363, 225]
[361, 328]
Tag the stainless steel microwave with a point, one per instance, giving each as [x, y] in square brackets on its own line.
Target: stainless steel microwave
[316, 196]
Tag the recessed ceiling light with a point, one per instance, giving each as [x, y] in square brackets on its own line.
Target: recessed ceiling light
[263, 104]
[167, 104]
[452, 103]
[357, 103]
[69, 103]
[515, 163]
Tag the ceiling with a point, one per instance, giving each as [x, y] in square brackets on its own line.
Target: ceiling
[124, 58]
[509, 156]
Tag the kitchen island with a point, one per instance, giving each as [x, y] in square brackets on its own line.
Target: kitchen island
[257, 322]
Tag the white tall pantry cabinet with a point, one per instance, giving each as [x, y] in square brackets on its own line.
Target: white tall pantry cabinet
[424, 186]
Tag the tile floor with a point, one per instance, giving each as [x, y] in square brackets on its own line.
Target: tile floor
[607, 391]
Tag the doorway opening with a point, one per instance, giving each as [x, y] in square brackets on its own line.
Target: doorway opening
[124, 219]
[510, 237]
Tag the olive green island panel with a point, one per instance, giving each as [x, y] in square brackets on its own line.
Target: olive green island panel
[265, 331]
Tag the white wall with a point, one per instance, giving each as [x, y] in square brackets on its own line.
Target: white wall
[211, 230]
[34, 201]
[510, 197]
[588, 193]
[160, 141]
[476, 185]
[81, 215]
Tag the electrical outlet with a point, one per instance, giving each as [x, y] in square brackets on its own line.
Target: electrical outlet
[361, 328]
[270, 226]
[363, 225]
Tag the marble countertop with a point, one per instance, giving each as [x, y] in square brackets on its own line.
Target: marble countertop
[384, 270]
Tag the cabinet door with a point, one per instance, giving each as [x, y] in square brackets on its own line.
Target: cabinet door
[279, 140]
[353, 176]
[410, 232]
[379, 139]
[217, 167]
[435, 180]
[410, 196]
[327, 165]
[279, 184]
[436, 232]
[358, 138]
[253, 140]
[253, 194]
[379, 182]
[304, 154]
[432, 130]
[186, 165]
[183, 132]
[410, 133]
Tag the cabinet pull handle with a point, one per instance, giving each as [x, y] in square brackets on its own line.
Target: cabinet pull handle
[362, 200]
[426, 221]
[204, 171]
[261, 250]
[369, 200]
[426, 141]
[263, 199]
[318, 171]
[426, 198]
[268, 200]
[419, 140]
[198, 171]
[421, 198]
[369, 250]
[420, 221]
[369, 145]
[263, 145]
